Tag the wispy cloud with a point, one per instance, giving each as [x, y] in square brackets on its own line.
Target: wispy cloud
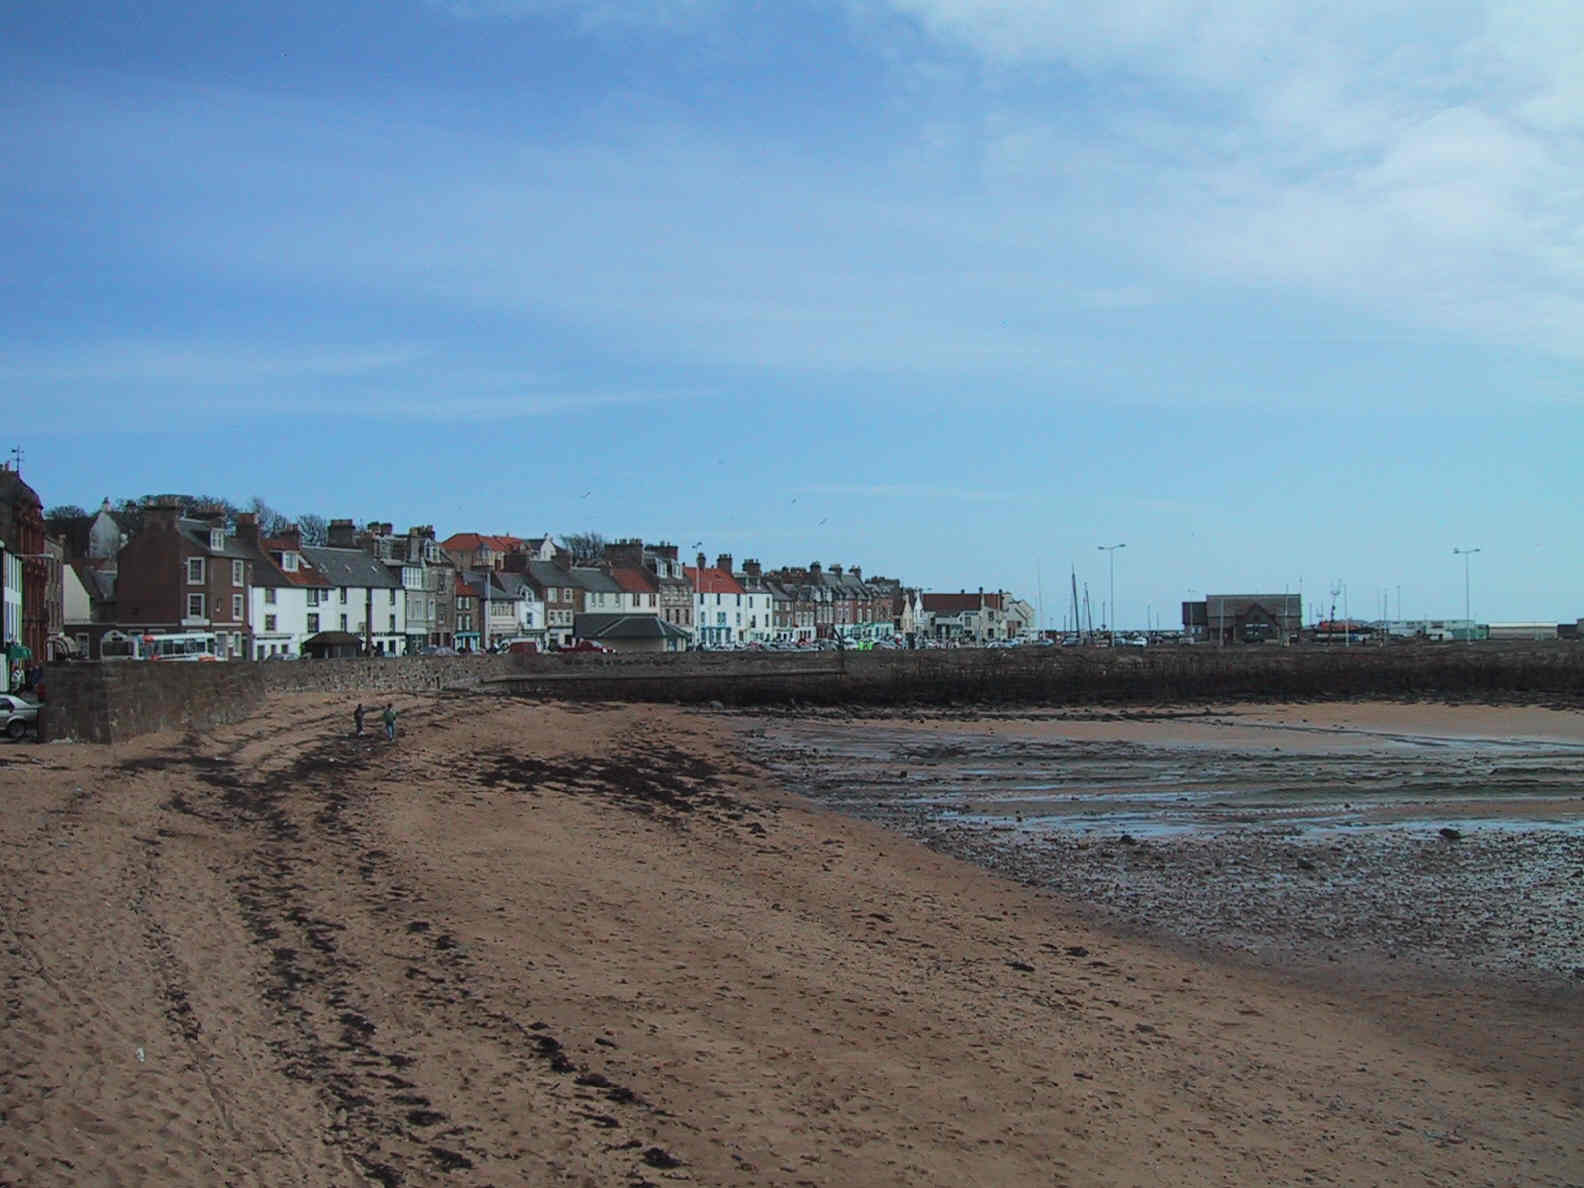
[126, 382]
[1418, 165]
[221, 364]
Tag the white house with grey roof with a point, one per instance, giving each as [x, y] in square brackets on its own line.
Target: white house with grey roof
[365, 599]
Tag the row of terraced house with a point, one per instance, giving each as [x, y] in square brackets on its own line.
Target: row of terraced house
[369, 590]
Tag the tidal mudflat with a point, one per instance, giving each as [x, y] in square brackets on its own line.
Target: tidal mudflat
[1412, 840]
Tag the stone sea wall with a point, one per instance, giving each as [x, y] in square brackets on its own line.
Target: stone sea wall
[115, 701]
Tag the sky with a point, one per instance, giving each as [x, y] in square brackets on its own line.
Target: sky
[1283, 297]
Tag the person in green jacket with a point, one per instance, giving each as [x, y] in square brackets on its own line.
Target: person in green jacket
[389, 718]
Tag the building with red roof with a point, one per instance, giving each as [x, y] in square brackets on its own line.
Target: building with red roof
[478, 550]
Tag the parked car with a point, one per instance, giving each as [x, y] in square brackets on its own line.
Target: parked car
[437, 650]
[586, 645]
[20, 714]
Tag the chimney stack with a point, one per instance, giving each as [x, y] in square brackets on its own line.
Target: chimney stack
[701, 563]
[163, 511]
[752, 568]
[625, 553]
[342, 534]
[857, 573]
[836, 570]
[723, 562]
[291, 539]
[247, 528]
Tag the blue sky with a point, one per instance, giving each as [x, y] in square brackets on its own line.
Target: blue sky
[958, 291]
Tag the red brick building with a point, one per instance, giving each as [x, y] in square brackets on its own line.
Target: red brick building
[185, 574]
[22, 535]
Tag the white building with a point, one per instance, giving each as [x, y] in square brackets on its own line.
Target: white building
[288, 597]
[528, 607]
[364, 598]
[10, 611]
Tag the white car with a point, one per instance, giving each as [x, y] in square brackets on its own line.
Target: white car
[18, 715]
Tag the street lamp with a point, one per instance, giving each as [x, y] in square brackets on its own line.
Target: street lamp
[1112, 550]
[1468, 618]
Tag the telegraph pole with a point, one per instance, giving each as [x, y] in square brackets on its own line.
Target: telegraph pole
[1468, 617]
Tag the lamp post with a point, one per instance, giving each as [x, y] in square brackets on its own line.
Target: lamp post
[1468, 618]
[1111, 549]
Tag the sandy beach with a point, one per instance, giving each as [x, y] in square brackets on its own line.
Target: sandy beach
[544, 944]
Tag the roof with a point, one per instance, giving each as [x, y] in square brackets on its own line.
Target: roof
[197, 532]
[634, 581]
[1232, 606]
[595, 581]
[515, 585]
[349, 567]
[14, 490]
[99, 583]
[464, 542]
[713, 581]
[304, 575]
[625, 627]
[548, 574]
[333, 638]
[955, 604]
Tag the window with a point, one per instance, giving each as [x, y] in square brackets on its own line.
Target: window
[431, 608]
[195, 571]
[269, 595]
[392, 599]
[269, 622]
[343, 623]
[236, 606]
[195, 606]
[313, 622]
[217, 539]
[343, 593]
[289, 562]
[236, 573]
[393, 624]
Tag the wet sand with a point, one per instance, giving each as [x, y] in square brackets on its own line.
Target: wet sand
[1447, 839]
[529, 945]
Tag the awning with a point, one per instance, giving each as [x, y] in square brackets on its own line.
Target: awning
[18, 651]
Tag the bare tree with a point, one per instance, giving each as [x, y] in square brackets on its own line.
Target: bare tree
[585, 547]
[315, 529]
[270, 521]
[65, 511]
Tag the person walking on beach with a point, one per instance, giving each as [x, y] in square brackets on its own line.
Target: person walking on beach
[357, 719]
[389, 718]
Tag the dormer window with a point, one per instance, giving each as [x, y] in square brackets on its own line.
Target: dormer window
[289, 562]
[216, 539]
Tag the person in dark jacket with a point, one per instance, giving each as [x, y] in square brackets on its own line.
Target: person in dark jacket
[357, 719]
